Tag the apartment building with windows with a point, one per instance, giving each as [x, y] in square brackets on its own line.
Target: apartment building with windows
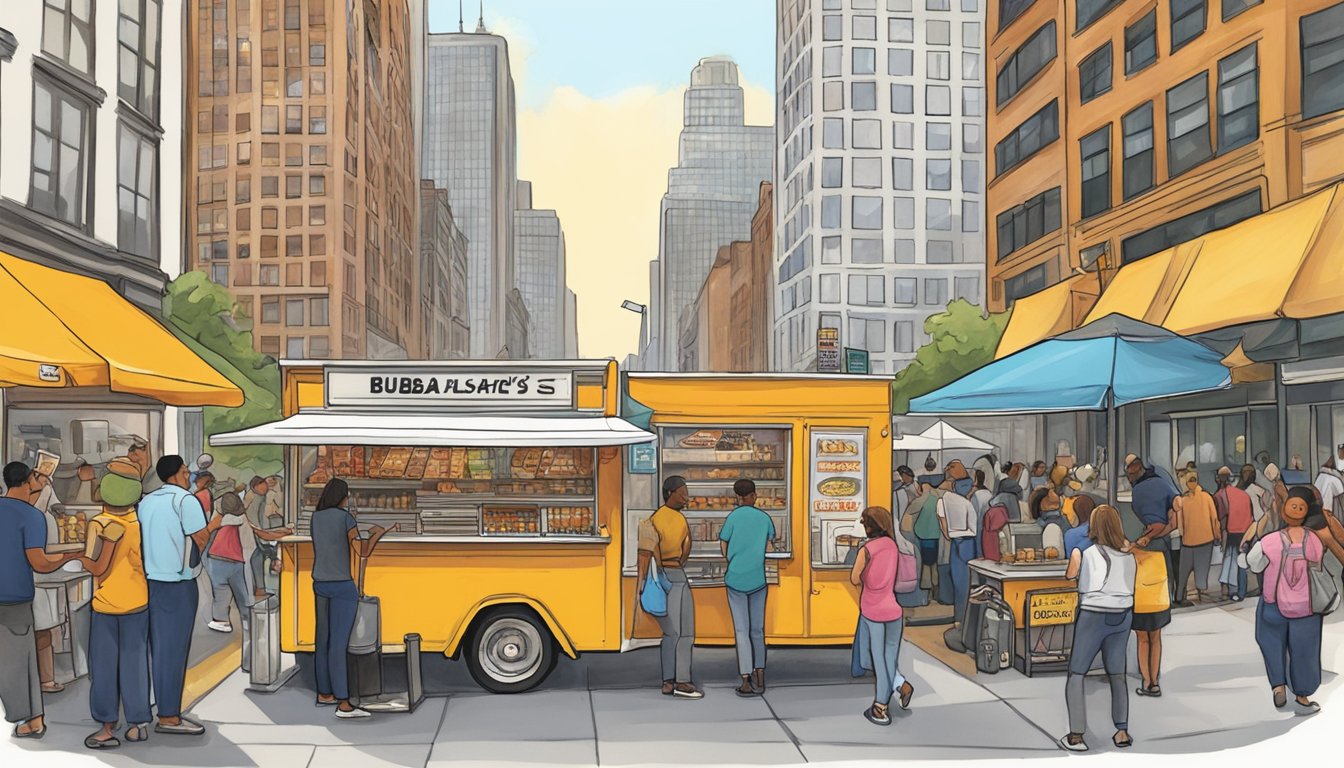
[879, 175]
[1169, 119]
[301, 176]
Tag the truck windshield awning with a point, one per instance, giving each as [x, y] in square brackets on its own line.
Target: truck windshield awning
[473, 430]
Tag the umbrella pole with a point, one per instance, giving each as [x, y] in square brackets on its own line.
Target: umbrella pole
[1112, 441]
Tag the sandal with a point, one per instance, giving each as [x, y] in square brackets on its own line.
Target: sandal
[1152, 690]
[876, 718]
[907, 691]
[1119, 744]
[1068, 742]
[141, 732]
[36, 734]
[93, 742]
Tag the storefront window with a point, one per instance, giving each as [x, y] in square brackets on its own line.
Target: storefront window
[1329, 434]
[837, 495]
[1264, 447]
[459, 491]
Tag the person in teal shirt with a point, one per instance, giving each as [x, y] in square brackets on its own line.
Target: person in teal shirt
[745, 538]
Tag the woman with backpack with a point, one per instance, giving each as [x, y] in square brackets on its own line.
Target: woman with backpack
[1286, 627]
[876, 572]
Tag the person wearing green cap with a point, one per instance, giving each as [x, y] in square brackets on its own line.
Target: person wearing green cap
[119, 636]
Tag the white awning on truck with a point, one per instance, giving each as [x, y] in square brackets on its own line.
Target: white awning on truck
[476, 430]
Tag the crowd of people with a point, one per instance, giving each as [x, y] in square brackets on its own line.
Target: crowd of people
[145, 550]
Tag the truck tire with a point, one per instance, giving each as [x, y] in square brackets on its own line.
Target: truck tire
[510, 650]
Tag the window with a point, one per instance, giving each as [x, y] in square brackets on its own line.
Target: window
[868, 334]
[902, 135]
[294, 250]
[970, 216]
[937, 5]
[219, 274]
[1191, 226]
[902, 173]
[1235, 7]
[1024, 224]
[1025, 63]
[832, 27]
[243, 191]
[293, 312]
[970, 102]
[1009, 10]
[970, 34]
[867, 134]
[938, 136]
[865, 61]
[865, 27]
[244, 153]
[270, 345]
[900, 62]
[939, 65]
[833, 96]
[1035, 133]
[830, 212]
[1089, 11]
[270, 274]
[1094, 74]
[938, 32]
[968, 289]
[1025, 284]
[905, 251]
[867, 290]
[294, 119]
[317, 184]
[1138, 164]
[1095, 149]
[865, 250]
[1188, 142]
[832, 58]
[970, 66]
[270, 310]
[904, 341]
[270, 186]
[317, 55]
[1141, 43]
[1187, 21]
[829, 290]
[294, 348]
[1323, 61]
[972, 139]
[319, 313]
[904, 289]
[867, 173]
[319, 347]
[832, 172]
[317, 154]
[867, 212]
[60, 162]
[270, 119]
[863, 97]
[935, 291]
[903, 212]
[137, 171]
[317, 246]
[833, 133]
[938, 252]
[317, 278]
[293, 186]
[67, 32]
[1238, 99]
[830, 250]
[901, 30]
[938, 214]
[938, 174]
[138, 46]
[902, 99]
[937, 100]
[970, 176]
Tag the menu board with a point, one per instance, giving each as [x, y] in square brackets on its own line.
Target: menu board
[837, 472]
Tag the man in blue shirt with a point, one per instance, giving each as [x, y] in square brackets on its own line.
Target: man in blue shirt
[1152, 499]
[23, 541]
[171, 521]
[744, 540]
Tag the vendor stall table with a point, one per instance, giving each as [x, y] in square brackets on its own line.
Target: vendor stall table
[1043, 602]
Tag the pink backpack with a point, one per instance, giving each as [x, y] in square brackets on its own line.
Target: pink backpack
[1292, 590]
[907, 566]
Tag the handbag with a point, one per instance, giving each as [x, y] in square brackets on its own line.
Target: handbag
[653, 598]
[366, 634]
[1324, 591]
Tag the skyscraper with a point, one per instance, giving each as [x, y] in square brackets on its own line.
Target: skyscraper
[880, 178]
[711, 195]
[301, 182]
[571, 325]
[539, 254]
[469, 148]
[443, 278]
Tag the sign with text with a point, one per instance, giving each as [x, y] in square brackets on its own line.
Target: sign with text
[643, 459]
[837, 476]
[828, 350]
[856, 360]
[1051, 608]
[450, 388]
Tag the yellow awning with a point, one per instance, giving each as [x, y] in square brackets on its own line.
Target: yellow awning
[1040, 316]
[94, 337]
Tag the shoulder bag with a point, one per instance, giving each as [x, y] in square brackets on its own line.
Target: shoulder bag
[653, 598]
[1324, 592]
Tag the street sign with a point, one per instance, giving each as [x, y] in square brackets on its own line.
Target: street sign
[643, 460]
[828, 350]
[856, 360]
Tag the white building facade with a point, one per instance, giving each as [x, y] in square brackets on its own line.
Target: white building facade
[879, 187]
[711, 197]
[539, 253]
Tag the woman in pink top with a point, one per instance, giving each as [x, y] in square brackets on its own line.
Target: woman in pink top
[880, 620]
[1285, 627]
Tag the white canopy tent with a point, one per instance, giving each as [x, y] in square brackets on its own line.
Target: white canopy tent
[427, 429]
[940, 437]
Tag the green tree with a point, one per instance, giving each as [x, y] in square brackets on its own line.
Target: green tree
[207, 319]
[962, 339]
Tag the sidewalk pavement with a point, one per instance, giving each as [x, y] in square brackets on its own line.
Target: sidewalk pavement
[605, 709]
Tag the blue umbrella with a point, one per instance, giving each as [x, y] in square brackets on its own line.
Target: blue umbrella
[1106, 364]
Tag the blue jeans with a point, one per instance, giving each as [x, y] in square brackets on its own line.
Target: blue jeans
[748, 609]
[1291, 645]
[1234, 575]
[172, 616]
[119, 667]
[336, 604]
[1105, 633]
[884, 646]
[963, 552]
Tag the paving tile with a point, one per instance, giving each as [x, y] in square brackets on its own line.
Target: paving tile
[696, 751]
[535, 716]
[502, 752]
[384, 756]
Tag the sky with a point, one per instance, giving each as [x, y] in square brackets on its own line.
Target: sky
[599, 86]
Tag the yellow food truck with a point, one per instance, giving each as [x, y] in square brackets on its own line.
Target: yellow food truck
[519, 487]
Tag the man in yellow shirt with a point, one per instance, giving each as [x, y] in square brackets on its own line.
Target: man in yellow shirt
[1199, 529]
[666, 536]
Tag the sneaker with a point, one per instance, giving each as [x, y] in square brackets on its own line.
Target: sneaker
[186, 727]
[220, 626]
[687, 691]
[353, 714]
[1071, 745]
[668, 687]
[1310, 708]
[1237, 598]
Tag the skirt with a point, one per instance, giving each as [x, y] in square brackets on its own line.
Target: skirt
[1151, 622]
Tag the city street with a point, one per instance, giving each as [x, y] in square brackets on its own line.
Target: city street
[604, 710]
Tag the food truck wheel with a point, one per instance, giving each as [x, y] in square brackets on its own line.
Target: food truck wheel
[511, 651]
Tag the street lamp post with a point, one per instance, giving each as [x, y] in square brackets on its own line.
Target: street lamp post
[643, 312]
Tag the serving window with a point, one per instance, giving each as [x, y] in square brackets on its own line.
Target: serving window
[459, 492]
